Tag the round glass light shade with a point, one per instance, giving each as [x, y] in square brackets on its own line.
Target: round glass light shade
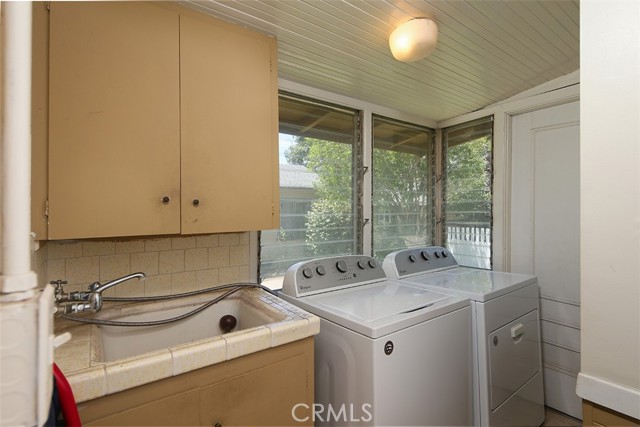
[414, 40]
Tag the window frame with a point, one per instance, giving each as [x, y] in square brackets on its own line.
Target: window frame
[356, 175]
[432, 174]
[443, 181]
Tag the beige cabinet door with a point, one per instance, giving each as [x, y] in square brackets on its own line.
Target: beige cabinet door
[229, 127]
[262, 396]
[114, 120]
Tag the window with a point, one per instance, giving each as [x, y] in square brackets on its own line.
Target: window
[402, 197]
[468, 150]
[322, 176]
[319, 196]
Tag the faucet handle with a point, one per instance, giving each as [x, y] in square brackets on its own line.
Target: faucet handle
[58, 282]
[59, 294]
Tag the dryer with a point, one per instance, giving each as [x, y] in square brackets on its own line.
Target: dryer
[388, 353]
[507, 374]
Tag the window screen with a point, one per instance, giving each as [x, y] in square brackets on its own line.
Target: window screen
[402, 195]
[318, 209]
[468, 150]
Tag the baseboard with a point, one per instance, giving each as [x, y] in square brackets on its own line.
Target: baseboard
[625, 400]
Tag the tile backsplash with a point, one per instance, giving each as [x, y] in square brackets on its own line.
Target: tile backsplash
[172, 264]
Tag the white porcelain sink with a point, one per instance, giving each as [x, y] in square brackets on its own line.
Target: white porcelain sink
[118, 342]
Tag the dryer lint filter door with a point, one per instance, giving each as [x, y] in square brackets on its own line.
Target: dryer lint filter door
[514, 355]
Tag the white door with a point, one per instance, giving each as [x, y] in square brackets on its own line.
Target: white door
[545, 237]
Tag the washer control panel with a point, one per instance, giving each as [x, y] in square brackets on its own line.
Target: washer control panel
[324, 274]
[412, 261]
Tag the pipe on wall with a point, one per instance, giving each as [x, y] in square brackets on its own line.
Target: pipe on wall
[26, 336]
[17, 276]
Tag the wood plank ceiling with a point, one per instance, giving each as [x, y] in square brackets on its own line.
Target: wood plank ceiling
[488, 50]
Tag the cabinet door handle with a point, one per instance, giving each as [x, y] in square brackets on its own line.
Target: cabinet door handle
[165, 200]
[196, 202]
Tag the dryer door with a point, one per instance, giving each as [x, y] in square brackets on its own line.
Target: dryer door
[514, 354]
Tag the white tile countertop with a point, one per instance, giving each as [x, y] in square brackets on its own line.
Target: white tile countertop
[90, 378]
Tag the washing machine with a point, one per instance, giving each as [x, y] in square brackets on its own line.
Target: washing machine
[507, 374]
[388, 353]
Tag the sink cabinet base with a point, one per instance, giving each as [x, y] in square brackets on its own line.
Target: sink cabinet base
[260, 389]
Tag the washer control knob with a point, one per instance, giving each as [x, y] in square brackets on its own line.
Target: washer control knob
[437, 254]
[444, 254]
[412, 258]
[341, 266]
[320, 270]
[372, 263]
[361, 265]
[424, 255]
[307, 272]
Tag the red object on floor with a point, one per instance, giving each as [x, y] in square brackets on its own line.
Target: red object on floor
[67, 401]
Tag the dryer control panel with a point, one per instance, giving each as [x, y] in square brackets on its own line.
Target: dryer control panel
[409, 262]
[331, 273]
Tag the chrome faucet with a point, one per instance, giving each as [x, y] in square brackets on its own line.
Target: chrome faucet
[90, 300]
[97, 287]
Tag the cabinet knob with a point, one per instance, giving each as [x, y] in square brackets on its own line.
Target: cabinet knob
[217, 425]
[196, 202]
[166, 200]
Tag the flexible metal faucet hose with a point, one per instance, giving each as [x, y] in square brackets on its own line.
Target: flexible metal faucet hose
[234, 287]
[191, 293]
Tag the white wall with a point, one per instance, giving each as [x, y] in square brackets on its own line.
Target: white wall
[610, 204]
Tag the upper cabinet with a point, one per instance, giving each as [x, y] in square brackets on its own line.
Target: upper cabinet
[114, 120]
[229, 118]
[161, 121]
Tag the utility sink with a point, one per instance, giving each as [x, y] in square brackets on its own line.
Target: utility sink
[119, 342]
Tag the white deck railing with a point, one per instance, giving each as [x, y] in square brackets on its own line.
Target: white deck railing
[470, 245]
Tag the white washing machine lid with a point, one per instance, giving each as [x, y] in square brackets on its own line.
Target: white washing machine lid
[475, 284]
[378, 309]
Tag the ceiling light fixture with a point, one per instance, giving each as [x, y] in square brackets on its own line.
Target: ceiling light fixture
[414, 40]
